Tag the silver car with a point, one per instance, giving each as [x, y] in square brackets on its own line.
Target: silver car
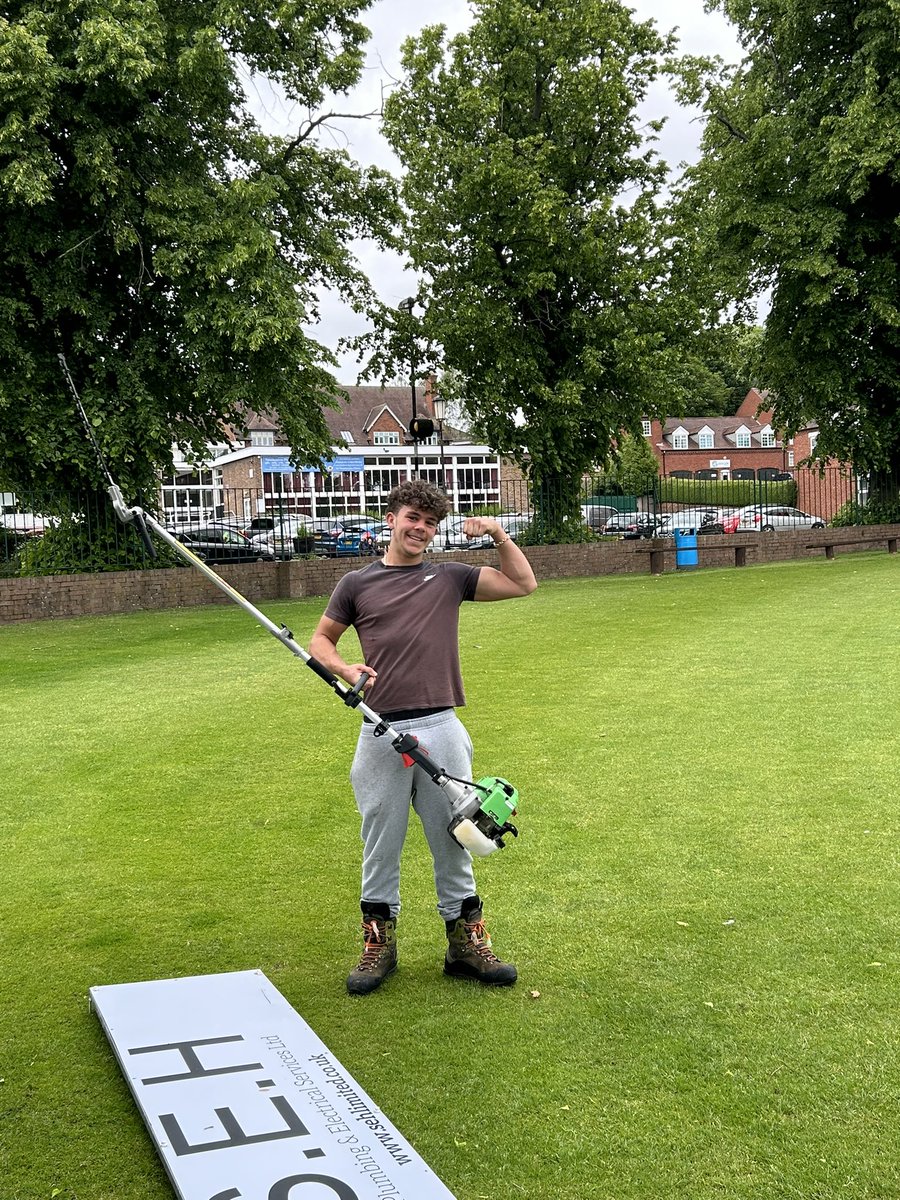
[769, 517]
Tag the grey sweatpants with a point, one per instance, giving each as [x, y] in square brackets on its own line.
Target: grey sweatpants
[385, 789]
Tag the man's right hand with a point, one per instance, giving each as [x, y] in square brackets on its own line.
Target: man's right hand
[353, 672]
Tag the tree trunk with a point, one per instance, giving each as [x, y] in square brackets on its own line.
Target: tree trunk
[556, 502]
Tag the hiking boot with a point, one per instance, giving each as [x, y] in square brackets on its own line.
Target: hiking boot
[469, 953]
[379, 956]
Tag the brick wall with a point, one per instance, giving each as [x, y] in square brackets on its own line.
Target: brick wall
[180, 587]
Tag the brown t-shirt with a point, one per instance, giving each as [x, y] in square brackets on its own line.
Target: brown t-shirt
[407, 620]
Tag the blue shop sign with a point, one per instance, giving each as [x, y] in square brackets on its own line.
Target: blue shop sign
[280, 465]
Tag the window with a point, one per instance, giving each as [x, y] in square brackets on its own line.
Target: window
[384, 480]
[646, 428]
[386, 437]
[347, 436]
[742, 438]
[790, 458]
[767, 437]
[262, 437]
[705, 439]
[680, 439]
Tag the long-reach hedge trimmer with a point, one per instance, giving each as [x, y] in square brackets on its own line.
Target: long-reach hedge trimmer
[480, 811]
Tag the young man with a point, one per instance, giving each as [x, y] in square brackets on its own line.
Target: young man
[406, 614]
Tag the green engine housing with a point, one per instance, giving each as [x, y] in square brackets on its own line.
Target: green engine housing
[499, 798]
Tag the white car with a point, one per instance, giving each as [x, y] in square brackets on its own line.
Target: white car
[595, 516]
[705, 519]
[26, 524]
[769, 517]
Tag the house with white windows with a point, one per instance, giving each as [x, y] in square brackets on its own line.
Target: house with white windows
[750, 446]
[745, 446]
[738, 447]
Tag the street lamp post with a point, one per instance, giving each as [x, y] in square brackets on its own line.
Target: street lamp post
[407, 306]
[439, 408]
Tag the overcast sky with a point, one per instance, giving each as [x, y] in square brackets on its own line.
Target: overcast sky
[391, 22]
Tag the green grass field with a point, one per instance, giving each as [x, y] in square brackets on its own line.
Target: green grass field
[703, 902]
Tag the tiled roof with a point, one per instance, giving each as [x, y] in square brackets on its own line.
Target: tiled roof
[358, 413]
[721, 426]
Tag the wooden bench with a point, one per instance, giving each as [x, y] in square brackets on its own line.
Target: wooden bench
[829, 546]
[660, 547]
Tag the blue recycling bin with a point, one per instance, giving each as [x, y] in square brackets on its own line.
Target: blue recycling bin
[686, 557]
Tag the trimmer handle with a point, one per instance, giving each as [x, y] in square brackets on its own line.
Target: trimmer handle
[354, 696]
[357, 689]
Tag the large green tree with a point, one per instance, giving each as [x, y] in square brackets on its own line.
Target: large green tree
[798, 191]
[154, 233]
[550, 280]
[718, 369]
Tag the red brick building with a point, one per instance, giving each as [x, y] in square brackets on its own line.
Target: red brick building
[749, 445]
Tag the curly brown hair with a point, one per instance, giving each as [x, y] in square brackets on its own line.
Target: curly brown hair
[417, 493]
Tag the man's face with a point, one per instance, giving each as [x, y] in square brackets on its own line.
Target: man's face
[412, 529]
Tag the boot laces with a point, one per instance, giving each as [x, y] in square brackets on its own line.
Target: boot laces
[480, 941]
[374, 945]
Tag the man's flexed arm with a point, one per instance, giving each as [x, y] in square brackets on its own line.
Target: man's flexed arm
[514, 577]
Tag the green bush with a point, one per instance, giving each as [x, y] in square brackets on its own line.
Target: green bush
[876, 512]
[539, 533]
[76, 546]
[851, 513]
[735, 493]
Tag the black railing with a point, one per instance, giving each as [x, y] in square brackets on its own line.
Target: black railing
[82, 534]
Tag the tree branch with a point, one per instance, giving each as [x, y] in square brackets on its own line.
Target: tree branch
[736, 133]
[305, 133]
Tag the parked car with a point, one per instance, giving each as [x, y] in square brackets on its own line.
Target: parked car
[769, 517]
[363, 522]
[221, 544]
[261, 526]
[703, 520]
[512, 523]
[347, 543]
[286, 536]
[631, 524]
[26, 524]
[350, 535]
[595, 516]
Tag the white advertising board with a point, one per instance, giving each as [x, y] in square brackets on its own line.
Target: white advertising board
[245, 1102]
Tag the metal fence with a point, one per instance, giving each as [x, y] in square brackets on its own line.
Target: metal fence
[81, 534]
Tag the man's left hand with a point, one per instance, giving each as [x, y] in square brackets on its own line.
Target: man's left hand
[474, 527]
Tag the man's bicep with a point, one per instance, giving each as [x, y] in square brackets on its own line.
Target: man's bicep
[494, 585]
[330, 629]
